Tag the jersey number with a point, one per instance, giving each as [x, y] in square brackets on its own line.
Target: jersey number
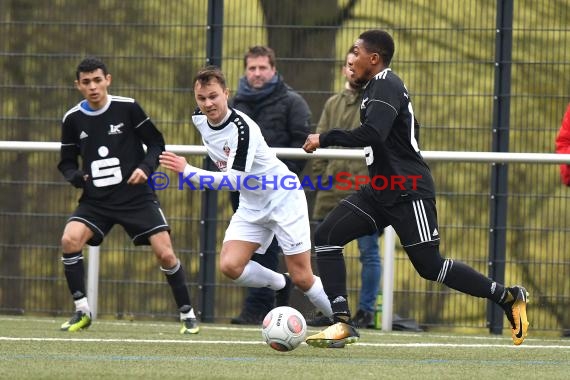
[413, 140]
[106, 172]
[369, 155]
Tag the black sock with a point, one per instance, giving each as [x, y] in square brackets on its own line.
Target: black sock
[177, 281]
[332, 271]
[506, 297]
[467, 280]
[75, 274]
[341, 311]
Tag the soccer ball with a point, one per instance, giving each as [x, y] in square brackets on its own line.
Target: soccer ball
[284, 328]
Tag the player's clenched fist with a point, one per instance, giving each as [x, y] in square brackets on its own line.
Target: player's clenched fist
[312, 143]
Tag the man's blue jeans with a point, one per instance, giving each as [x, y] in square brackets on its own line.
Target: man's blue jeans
[371, 271]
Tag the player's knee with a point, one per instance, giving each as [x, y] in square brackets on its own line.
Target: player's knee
[429, 273]
[427, 260]
[162, 248]
[302, 280]
[225, 268]
[323, 236]
[229, 269]
[167, 259]
[70, 244]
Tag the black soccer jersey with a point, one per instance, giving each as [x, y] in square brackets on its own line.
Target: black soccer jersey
[110, 143]
[389, 135]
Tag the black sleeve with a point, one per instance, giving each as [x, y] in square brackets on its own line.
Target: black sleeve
[355, 138]
[382, 104]
[69, 152]
[150, 136]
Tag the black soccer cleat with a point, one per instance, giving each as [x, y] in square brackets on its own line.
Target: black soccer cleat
[190, 326]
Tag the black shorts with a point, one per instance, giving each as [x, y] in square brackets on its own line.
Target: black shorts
[414, 221]
[140, 221]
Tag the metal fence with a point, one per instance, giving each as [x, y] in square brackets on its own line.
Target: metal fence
[485, 75]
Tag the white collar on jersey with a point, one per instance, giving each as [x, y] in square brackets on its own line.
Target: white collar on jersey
[223, 120]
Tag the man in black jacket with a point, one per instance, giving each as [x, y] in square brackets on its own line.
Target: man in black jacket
[284, 118]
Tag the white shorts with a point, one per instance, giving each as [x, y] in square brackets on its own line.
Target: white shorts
[286, 218]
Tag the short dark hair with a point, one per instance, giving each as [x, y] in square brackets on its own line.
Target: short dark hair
[380, 42]
[208, 73]
[90, 64]
[259, 51]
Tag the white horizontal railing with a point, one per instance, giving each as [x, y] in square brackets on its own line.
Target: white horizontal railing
[328, 153]
[495, 157]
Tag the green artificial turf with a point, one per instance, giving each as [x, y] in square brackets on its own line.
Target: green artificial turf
[34, 348]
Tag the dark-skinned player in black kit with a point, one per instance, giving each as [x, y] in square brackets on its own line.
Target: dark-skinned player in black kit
[389, 135]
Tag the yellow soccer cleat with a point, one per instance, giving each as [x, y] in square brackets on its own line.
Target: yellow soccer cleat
[516, 313]
[337, 335]
[79, 321]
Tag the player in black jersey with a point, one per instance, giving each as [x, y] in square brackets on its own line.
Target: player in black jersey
[108, 133]
[400, 193]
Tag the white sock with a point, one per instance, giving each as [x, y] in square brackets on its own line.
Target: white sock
[318, 297]
[83, 305]
[187, 315]
[255, 275]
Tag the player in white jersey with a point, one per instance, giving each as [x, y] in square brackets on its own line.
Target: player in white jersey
[261, 170]
[272, 201]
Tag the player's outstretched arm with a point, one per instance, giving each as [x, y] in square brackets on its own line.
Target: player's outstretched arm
[196, 175]
[173, 161]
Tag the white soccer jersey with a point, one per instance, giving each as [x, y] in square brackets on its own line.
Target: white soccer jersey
[238, 148]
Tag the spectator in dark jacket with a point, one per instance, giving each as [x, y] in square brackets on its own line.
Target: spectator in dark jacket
[284, 118]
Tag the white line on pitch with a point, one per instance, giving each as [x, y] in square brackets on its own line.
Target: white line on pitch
[415, 345]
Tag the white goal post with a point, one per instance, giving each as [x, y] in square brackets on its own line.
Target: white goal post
[328, 153]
